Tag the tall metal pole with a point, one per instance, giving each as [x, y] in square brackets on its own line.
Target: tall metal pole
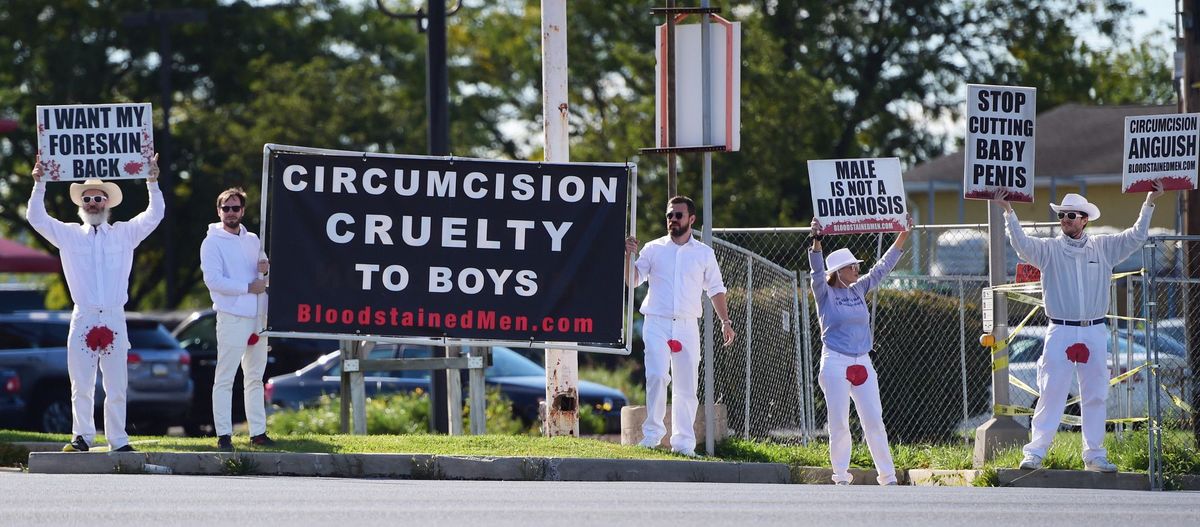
[706, 220]
[437, 100]
[1001, 431]
[562, 366]
[163, 148]
[672, 175]
[1190, 102]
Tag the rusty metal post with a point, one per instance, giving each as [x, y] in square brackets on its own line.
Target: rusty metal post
[562, 366]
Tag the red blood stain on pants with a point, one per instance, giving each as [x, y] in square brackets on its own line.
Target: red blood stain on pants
[1078, 352]
[253, 339]
[675, 345]
[99, 338]
[856, 374]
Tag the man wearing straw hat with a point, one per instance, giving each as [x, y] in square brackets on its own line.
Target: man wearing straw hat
[1076, 271]
[97, 257]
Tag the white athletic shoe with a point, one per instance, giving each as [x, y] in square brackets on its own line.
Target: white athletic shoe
[687, 452]
[1031, 462]
[1099, 465]
[647, 444]
[848, 481]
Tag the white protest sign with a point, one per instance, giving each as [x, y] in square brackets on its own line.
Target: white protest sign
[109, 141]
[1000, 139]
[1160, 148]
[858, 195]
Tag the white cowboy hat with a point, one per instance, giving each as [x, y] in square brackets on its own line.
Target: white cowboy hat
[1077, 203]
[108, 188]
[839, 259]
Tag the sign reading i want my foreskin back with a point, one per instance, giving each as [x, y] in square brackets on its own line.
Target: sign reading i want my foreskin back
[1000, 139]
[106, 141]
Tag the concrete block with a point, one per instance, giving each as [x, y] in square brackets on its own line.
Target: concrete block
[578, 469]
[1072, 479]
[85, 462]
[924, 477]
[488, 468]
[824, 476]
[632, 418]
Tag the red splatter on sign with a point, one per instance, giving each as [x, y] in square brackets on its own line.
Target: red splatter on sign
[856, 374]
[253, 339]
[1078, 352]
[675, 345]
[99, 338]
[1169, 183]
[133, 167]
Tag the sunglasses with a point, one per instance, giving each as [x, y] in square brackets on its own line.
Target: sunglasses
[1071, 215]
[97, 199]
[675, 215]
[231, 208]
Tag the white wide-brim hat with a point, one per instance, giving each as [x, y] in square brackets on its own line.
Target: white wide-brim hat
[1077, 203]
[111, 190]
[839, 259]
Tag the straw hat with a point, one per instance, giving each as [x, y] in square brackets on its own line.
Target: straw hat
[1077, 203]
[108, 188]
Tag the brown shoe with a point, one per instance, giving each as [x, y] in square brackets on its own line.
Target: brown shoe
[262, 440]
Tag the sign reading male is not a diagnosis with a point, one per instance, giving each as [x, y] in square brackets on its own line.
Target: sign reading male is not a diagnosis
[106, 141]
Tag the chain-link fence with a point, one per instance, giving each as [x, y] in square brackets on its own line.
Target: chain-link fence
[934, 376]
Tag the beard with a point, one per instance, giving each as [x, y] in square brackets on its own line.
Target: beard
[231, 223]
[678, 230]
[93, 219]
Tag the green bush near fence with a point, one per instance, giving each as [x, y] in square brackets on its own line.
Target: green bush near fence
[917, 355]
[399, 413]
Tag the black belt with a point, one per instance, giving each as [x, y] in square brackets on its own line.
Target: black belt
[1079, 323]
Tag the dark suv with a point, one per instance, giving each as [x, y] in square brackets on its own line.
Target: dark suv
[34, 345]
[198, 335]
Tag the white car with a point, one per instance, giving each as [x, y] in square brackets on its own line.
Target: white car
[1126, 398]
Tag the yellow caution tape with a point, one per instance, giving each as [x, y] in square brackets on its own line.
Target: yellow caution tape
[1013, 380]
[1183, 405]
[1011, 409]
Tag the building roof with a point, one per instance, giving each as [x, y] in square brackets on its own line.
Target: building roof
[1073, 140]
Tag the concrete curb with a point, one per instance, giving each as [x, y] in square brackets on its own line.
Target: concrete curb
[824, 476]
[1071, 479]
[406, 466]
[924, 477]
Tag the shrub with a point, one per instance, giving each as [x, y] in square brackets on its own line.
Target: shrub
[399, 413]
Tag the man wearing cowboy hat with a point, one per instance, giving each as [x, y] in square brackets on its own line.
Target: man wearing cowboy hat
[679, 268]
[1076, 271]
[97, 258]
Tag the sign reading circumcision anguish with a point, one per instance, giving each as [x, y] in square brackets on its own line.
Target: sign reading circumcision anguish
[432, 247]
[1000, 140]
[858, 195]
[1160, 148]
[108, 141]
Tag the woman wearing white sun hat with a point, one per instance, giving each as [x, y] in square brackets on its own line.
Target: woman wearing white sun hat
[846, 370]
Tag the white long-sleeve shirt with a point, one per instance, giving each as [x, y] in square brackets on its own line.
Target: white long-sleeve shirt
[96, 260]
[229, 263]
[677, 275]
[1076, 273]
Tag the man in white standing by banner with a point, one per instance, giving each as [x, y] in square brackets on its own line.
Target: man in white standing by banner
[234, 267]
[1076, 271]
[97, 258]
[678, 268]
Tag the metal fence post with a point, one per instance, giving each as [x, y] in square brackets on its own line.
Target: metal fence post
[478, 393]
[1154, 440]
[806, 328]
[454, 406]
[962, 345]
[749, 341]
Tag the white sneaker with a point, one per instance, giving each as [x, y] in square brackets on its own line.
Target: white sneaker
[842, 483]
[1031, 462]
[644, 443]
[1099, 465]
[848, 481]
[687, 452]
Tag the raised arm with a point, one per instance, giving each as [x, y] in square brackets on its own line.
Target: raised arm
[816, 261]
[1119, 246]
[143, 224]
[1033, 250]
[50, 228]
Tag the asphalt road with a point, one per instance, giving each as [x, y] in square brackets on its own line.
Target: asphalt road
[128, 500]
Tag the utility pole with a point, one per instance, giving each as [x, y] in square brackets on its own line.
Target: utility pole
[437, 101]
[165, 19]
[1189, 102]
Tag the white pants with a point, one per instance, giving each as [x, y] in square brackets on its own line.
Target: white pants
[838, 392]
[98, 336]
[233, 335]
[682, 376]
[1054, 383]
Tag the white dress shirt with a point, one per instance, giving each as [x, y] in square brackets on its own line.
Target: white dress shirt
[677, 275]
[1076, 273]
[96, 260]
[229, 263]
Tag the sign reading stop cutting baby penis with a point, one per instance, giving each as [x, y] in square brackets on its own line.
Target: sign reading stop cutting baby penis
[108, 141]
[858, 195]
[1000, 140]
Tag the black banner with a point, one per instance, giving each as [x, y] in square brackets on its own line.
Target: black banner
[462, 248]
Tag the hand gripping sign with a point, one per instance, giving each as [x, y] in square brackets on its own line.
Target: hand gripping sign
[1160, 148]
[1000, 140]
[858, 195]
[107, 141]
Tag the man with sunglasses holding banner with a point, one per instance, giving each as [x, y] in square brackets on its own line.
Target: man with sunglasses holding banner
[235, 267]
[679, 268]
[1076, 271]
[97, 258]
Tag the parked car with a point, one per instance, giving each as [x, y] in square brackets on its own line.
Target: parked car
[12, 406]
[198, 335]
[1026, 348]
[34, 344]
[521, 380]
